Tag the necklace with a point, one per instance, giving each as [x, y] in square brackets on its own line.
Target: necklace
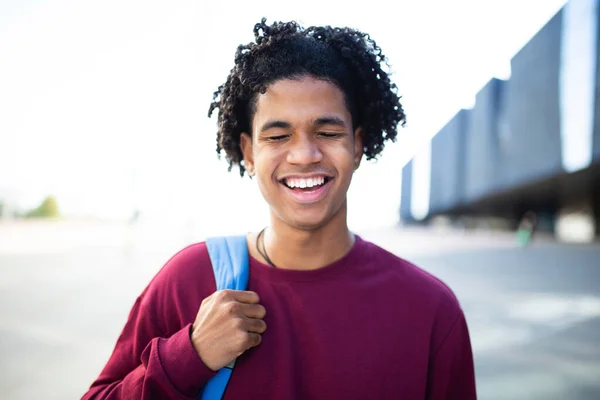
[263, 253]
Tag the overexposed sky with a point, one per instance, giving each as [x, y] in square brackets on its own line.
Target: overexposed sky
[104, 103]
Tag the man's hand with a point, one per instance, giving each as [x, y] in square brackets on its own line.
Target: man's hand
[228, 323]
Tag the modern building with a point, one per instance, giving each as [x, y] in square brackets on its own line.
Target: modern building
[531, 142]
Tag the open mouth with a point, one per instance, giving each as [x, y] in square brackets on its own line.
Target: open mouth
[306, 185]
[307, 190]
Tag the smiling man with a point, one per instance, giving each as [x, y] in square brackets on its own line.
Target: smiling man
[327, 315]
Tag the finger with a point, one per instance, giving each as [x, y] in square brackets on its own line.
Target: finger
[254, 339]
[243, 296]
[256, 325]
[256, 311]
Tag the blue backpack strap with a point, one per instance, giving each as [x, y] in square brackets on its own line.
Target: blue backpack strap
[229, 259]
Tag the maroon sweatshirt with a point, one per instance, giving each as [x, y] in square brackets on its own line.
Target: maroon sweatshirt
[369, 326]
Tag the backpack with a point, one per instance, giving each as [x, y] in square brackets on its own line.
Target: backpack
[229, 259]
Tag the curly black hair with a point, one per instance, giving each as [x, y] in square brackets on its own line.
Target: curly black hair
[346, 57]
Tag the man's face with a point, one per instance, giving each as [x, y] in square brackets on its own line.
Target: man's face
[303, 150]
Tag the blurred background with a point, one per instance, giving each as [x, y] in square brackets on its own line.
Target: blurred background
[108, 167]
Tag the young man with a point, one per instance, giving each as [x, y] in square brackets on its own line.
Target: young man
[327, 315]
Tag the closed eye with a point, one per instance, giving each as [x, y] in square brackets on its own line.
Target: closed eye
[276, 138]
[329, 134]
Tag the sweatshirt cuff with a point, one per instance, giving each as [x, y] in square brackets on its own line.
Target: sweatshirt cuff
[182, 365]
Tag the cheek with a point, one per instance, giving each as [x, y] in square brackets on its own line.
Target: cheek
[266, 163]
[341, 156]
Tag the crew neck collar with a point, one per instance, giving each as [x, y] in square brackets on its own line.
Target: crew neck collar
[261, 270]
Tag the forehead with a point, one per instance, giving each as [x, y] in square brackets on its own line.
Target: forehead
[300, 100]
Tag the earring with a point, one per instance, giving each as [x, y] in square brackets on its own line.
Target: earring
[356, 165]
[251, 172]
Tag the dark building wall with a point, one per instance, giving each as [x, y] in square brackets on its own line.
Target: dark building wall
[406, 193]
[481, 142]
[595, 198]
[447, 164]
[596, 139]
[531, 147]
[508, 146]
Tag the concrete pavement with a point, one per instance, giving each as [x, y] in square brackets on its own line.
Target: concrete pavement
[65, 291]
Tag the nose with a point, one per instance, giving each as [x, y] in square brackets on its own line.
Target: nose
[304, 150]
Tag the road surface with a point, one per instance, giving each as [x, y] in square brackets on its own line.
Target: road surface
[66, 289]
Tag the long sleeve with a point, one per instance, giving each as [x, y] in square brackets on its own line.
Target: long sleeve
[451, 372]
[145, 365]
[154, 357]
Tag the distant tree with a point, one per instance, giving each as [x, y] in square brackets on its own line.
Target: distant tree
[48, 209]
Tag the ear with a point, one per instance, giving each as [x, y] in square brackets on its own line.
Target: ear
[246, 146]
[358, 146]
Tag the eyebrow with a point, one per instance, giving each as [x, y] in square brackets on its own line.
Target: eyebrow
[317, 123]
[329, 121]
[275, 124]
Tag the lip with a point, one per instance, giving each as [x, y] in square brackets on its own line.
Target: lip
[304, 176]
[309, 197]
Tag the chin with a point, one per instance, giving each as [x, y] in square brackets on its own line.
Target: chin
[308, 226]
[308, 220]
[307, 217]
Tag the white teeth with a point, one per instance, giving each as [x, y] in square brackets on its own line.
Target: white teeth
[304, 183]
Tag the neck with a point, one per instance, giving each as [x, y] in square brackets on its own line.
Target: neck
[302, 249]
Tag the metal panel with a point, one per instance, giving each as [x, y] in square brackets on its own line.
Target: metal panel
[447, 164]
[530, 149]
[481, 142]
[596, 140]
[405, 195]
